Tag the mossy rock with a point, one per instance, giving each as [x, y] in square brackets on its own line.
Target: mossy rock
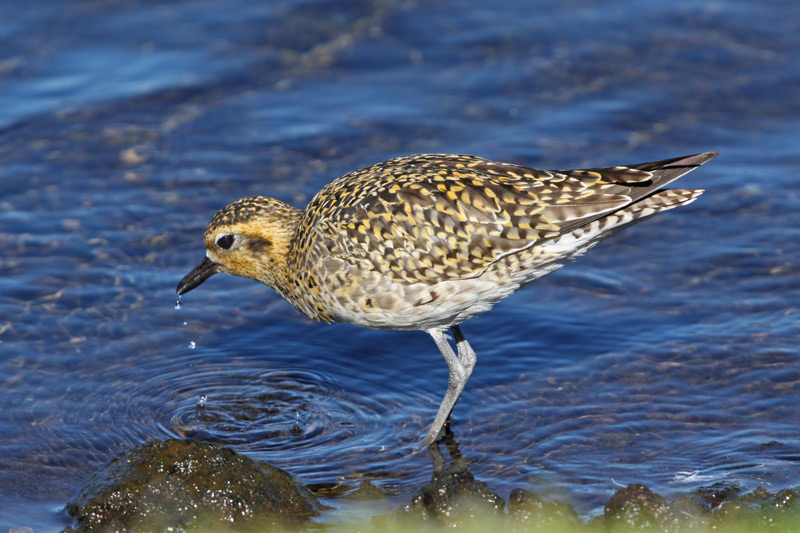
[185, 485]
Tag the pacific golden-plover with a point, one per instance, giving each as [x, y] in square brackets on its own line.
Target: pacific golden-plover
[425, 242]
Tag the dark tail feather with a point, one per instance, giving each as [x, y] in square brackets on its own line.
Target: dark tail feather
[668, 170]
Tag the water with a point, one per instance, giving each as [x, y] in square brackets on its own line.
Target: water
[667, 356]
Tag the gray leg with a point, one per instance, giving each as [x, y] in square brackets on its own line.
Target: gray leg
[460, 366]
[466, 354]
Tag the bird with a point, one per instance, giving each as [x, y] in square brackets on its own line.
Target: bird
[425, 242]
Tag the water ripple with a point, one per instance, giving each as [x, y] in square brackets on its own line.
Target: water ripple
[269, 410]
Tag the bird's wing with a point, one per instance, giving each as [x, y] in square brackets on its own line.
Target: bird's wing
[434, 217]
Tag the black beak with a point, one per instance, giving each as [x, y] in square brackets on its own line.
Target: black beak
[201, 272]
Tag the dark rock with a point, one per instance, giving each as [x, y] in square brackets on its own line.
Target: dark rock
[689, 511]
[785, 499]
[713, 496]
[329, 490]
[761, 498]
[533, 513]
[760, 503]
[454, 497]
[366, 491]
[636, 506]
[177, 484]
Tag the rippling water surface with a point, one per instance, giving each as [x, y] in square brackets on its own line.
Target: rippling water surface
[667, 356]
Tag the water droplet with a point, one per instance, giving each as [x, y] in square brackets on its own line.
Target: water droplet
[178, 305]
[192, 345]
[201, 402]
[185, 323]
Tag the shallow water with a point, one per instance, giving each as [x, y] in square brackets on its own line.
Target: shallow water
[666, 356]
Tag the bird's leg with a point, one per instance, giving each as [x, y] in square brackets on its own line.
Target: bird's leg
[455, 385]
[460, 366]
[466, 354]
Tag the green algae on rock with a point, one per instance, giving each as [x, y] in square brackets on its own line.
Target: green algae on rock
[180, 485]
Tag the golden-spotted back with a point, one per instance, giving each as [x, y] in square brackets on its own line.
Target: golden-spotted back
[435, 217]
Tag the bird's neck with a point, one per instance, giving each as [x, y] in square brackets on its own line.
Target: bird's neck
[295, 277]
[282, 239]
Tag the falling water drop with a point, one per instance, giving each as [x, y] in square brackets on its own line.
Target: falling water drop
[178, 305]
[201, 402]
[192, 345]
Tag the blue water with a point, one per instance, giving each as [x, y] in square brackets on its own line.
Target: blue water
[666, 356]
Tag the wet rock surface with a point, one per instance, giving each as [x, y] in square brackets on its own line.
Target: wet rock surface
[714, 495]
[177, 485]
[766, 506]
[453, 497]
[366, 490]
[637, 506]
[530, 511]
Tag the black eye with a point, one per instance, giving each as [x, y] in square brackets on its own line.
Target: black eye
[225, 241]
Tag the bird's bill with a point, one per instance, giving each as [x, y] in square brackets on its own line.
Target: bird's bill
[198, 275]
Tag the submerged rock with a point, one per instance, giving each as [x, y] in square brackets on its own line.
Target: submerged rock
[177, 484]
[366, 491]
[762, 507]
[453, 497]
[534, 514]
[637, 507]
[713, 496]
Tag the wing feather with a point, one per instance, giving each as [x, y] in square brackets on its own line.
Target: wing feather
[433, 217]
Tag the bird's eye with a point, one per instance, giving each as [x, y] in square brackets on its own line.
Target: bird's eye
[225, 241]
